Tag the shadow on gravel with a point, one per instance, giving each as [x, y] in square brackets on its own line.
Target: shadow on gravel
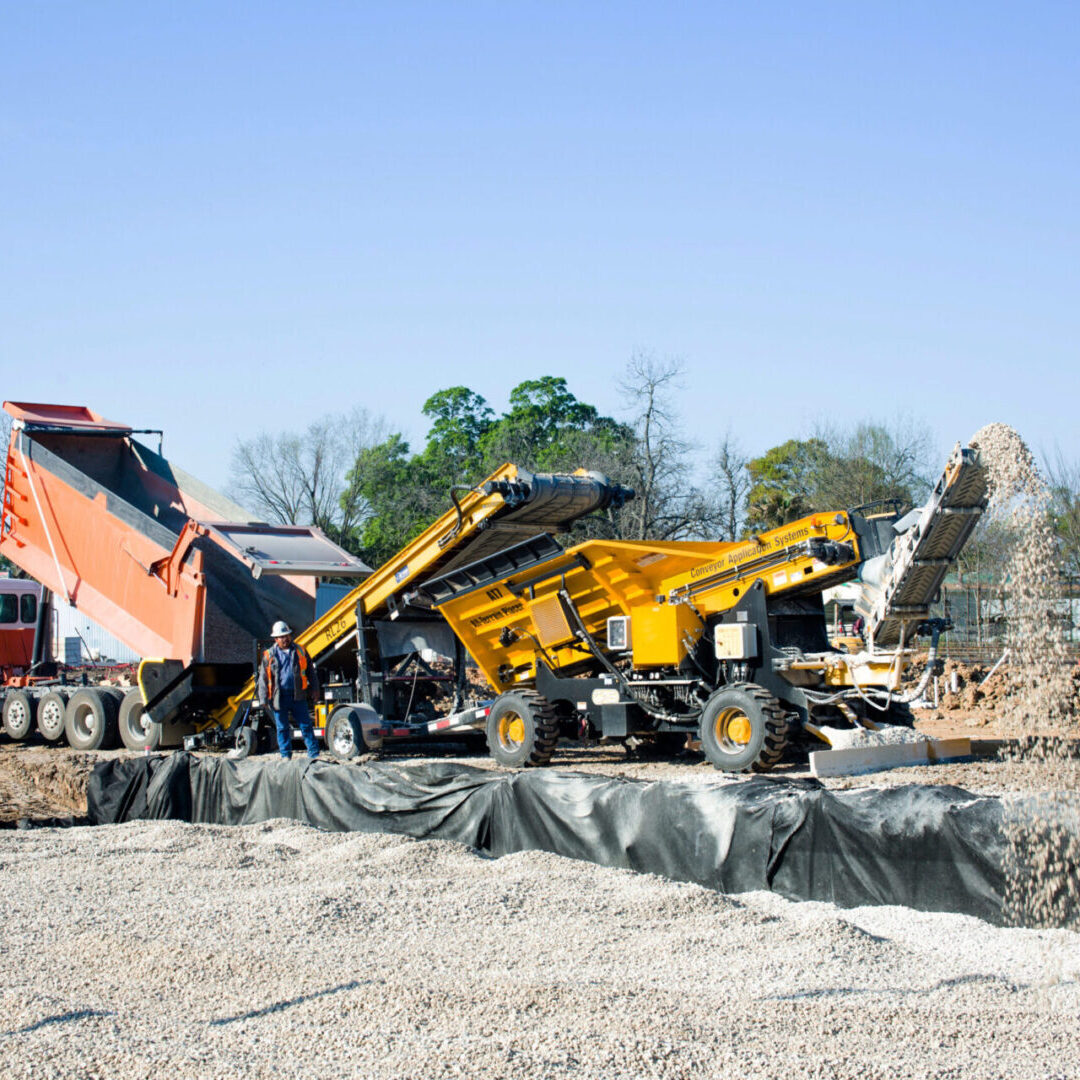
[280, 1006]
[60, 1018]
[941, 984]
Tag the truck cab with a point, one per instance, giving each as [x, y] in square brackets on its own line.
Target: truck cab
[19, 600]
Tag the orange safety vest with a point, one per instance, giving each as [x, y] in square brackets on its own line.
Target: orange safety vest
[302, 661]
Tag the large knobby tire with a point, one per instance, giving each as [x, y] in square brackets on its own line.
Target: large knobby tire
[50, 716]
[137, 730]
[743, 727]
[522, 729]
[18, 714]
[90, 720]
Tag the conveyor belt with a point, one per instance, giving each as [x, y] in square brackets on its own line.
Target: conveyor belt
[539, 503]
[900, 586]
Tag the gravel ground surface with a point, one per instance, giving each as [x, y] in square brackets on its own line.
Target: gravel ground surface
[985, 777]
[163, 949]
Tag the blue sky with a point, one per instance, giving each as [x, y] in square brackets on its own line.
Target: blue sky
[219, 218]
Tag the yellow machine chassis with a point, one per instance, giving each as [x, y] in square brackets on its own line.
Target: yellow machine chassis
[667, 589]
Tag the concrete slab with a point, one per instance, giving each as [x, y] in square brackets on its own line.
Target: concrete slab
[853, 760]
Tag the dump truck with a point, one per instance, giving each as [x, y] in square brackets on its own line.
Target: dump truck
[191, 583]
[164, 563]
[724, 642]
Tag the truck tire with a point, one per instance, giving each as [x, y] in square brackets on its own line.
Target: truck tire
[345, 737]
[743, 728]
[137, 730]
[245, 744]
[18, 714]
[50, 716]
[90, 720]
[522, 729]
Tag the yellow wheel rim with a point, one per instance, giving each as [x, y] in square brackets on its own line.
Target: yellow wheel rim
[733, 728]
[511, 730]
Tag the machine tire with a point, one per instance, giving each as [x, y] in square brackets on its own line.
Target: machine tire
[743, 728]
[522, 729]
[50, 716]
[345, 738]
[137, 730]
[246, 744]
[18, 714]
[90, 720]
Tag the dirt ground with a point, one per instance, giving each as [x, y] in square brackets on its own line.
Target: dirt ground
[39, 781]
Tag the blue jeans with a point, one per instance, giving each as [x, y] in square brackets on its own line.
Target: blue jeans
[298, 710]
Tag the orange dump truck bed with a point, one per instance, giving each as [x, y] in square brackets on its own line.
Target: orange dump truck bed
[169, 566]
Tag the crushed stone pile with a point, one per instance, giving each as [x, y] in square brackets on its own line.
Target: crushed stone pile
[979, 690]
[886, 735]
[162, 949]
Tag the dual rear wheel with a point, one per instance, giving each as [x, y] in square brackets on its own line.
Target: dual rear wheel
[50, 716]
[137, 730]
[90, 719]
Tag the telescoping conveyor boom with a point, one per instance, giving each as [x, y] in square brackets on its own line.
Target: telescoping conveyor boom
[485, 521]
[898, 587]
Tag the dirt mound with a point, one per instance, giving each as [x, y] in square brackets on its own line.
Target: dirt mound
[984, 692]
[41, 782]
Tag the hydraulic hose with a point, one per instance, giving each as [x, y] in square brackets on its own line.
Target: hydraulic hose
[931, 660]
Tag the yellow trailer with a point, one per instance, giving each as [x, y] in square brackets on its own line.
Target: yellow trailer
[382, 659]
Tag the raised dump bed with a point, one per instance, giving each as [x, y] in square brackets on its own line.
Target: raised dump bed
[169, 566]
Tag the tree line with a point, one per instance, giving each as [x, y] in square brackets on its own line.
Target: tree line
[367, 488]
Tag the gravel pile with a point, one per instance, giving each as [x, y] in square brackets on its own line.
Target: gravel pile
[162, 949]
[886, 735]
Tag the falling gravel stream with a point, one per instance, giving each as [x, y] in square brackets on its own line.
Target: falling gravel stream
[1043, 830]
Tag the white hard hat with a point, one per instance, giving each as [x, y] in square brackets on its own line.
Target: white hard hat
[281, 629]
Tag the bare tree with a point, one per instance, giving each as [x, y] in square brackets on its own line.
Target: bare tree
[732, 481]
[875, 460]
[668, 505]
[299, 478]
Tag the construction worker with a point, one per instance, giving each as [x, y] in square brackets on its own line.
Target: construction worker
[286, 678]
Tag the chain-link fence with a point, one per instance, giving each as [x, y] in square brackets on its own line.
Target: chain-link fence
[979, 612]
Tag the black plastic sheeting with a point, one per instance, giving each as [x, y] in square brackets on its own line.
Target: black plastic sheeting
[931, 848]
